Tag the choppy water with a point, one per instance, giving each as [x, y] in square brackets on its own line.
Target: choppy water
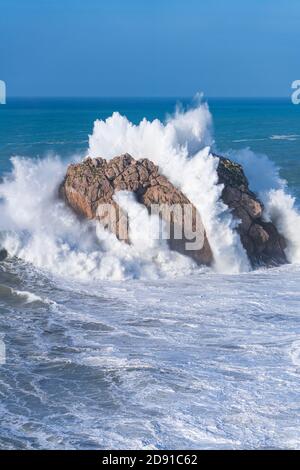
[169, 355]
[210, 361]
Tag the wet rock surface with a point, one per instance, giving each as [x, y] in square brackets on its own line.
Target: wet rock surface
[93, 183]
[3, 254]
[261, 239]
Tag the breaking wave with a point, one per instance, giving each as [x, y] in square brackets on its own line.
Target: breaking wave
[37, 227]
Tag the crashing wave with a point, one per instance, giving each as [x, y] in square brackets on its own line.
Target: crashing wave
[37, 227]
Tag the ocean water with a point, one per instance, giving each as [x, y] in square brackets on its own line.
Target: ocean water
[114, 346]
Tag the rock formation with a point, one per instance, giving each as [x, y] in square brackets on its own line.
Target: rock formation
[3, 254]
[92, 183]
[261, 240]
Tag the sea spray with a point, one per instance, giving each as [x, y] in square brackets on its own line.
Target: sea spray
[181, 149]
[38, 227]
[280, 207]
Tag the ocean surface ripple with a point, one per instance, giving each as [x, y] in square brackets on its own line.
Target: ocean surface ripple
[123, 347]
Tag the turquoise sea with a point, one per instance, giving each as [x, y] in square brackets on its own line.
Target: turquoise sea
[110, 346]
[37, 127]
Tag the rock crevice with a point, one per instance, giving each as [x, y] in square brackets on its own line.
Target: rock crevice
[261, 239]
[94, 182]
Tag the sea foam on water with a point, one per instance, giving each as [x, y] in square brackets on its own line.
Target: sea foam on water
[37, 227]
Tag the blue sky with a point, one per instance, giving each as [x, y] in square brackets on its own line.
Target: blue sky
[149, 48]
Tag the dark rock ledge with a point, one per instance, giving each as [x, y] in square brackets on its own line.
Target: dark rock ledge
[261, 240]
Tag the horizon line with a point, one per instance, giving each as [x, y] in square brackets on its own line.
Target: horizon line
[191, 97]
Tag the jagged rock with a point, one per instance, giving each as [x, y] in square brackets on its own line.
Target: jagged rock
[94, 182]
[3, 254]
[261, 240]
[90, 184]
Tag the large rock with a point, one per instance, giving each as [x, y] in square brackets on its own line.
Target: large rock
[93, 183]
[262, 241]
[3, 254]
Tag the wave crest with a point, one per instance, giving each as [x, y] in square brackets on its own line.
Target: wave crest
[37, 227]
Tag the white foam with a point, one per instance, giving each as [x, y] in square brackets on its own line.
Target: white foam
[28, 296]
[294, 352]
[291, 137]
[280, 207]
[37, 227]
[181, 149]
